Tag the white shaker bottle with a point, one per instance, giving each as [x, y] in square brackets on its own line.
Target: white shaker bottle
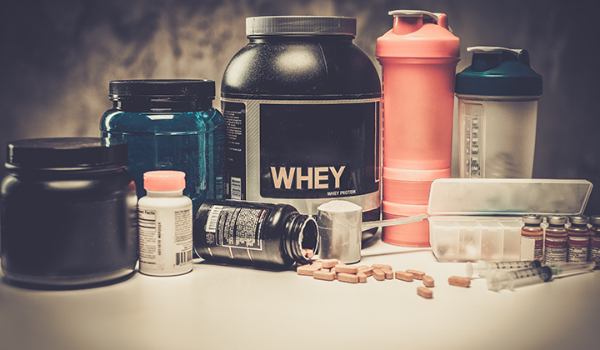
[497, 110]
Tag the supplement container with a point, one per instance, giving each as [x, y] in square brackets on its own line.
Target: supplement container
[556, 240]
[169, 125]
[532, 238]
[579, 239]
[165, 225]
[263, 235]
[418, 57]
[481, 219]
[68, 212]
[497, 113]
[301, 104]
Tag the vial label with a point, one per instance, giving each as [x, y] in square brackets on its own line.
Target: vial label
[556, 254]
[595, 254]
[165, 241]
[300, 150]
[578, 250]
[532, 248]
[235, 227]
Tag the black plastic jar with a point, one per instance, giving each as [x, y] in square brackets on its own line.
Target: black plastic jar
[68, 212]
[266, 235]
[301, 108]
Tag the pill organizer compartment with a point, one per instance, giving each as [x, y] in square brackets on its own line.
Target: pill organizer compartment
[480, 219]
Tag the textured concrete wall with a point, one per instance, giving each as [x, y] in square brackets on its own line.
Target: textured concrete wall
[57, 57]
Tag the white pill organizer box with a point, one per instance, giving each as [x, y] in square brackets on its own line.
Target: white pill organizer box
[480, 219]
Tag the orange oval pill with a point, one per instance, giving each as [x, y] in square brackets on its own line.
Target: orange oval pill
[329, 263]
[322, 275]
[424, 292]
[346, 277]
[416, 274]
[346, 269]
[362, 278]
[404, 276]
[379, 274]
[459, 281]
[428, 281]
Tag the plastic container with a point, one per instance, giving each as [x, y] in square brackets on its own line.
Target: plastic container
[263, 235]
[302, 108]
[480, 219]
[165, 225]
[169, 125]
[497, 113]
[418, 57]
[68, 213]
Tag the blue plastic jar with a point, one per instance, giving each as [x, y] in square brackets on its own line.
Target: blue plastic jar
[169, 125]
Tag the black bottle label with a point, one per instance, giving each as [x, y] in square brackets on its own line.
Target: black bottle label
[235, 227]
[302, 149]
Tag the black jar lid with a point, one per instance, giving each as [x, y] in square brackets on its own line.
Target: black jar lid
[301, 25]
[162, 88]
[65, 153]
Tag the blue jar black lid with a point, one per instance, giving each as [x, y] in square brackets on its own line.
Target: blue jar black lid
[65, 153]
[200, 89]
[498, 71]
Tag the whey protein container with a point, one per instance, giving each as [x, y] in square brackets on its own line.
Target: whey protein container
[301, 108]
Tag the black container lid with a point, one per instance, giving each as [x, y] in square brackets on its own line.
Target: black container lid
[66, 153]
[300, 25]
[179, 88]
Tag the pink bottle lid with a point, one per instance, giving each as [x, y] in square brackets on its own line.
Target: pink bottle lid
[164, 180]
[413, 36]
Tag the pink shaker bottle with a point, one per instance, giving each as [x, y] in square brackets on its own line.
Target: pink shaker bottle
[418, 58]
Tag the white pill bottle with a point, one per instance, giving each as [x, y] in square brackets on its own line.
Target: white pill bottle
[165, 225]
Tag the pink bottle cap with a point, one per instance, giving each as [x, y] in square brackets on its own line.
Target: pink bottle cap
[164, 180]
[412, 37]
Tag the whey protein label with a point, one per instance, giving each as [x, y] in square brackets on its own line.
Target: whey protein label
[301, 149]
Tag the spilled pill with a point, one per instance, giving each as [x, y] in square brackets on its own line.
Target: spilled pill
[308, 270]
[418, 275]
[389, 274]
[329, 263]
[428, 281]
[362, 278]
[346, 269]
[366, 270]
[404, 276]
[459, 281]
[424, 292]
[379, 274]
[322, 275]
[346, 277]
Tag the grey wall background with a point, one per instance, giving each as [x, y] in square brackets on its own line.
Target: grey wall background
[57, 57]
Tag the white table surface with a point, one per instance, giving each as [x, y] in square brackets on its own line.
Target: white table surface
[222, 307]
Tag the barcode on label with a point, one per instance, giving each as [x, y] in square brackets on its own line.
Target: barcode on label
[213, 219]
[183, 257]
[236, 188]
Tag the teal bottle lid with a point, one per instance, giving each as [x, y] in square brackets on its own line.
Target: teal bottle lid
[498, 71]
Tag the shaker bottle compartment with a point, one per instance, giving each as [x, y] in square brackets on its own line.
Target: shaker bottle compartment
[410, 186]
[408, 235]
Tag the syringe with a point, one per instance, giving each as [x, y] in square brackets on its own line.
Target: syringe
[503, 279]
[483, 268]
